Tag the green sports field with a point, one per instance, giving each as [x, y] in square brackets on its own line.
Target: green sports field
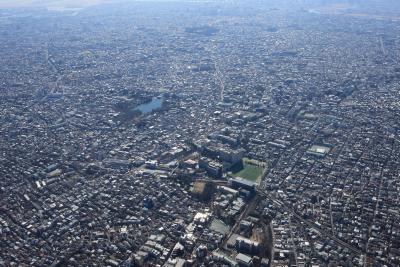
[247, 171]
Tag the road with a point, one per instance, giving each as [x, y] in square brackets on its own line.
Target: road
[243, 215]
[294, 249]
[219, 78]
[354, 250]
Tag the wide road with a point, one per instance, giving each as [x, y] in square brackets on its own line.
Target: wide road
[243, 215]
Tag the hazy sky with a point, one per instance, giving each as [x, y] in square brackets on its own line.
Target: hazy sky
[51, 3]
[70, 3]
[378, 8]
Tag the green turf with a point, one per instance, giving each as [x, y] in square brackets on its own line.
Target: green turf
[248, 171]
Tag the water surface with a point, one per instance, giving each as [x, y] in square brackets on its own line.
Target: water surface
[154, 104]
